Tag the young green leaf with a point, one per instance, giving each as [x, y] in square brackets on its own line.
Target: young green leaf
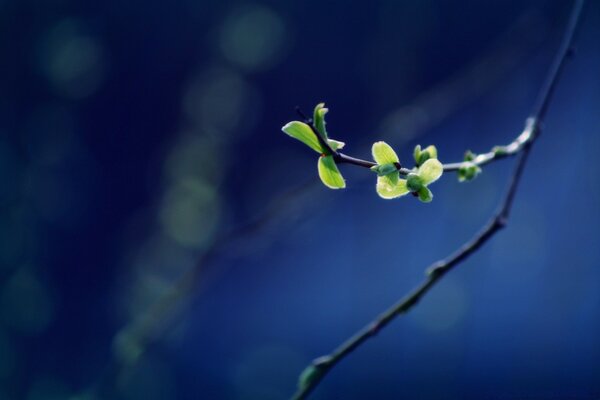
[330, 174]
[319, 119]
[384, 154]
[432, 150]
[391, 186]
[302, 132]
[417, 153]
[423, 155]
[430, 171]
[335, 144]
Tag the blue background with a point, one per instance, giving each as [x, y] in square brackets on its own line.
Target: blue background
[161, 238]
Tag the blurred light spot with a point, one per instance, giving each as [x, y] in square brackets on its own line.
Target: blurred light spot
[253, 37]
[443, 308]
[149, 380]
[163, 258]
[158, 265]
[267, 373]
[48, 389]
[127, 347]
[72, 60]
[195, 157]
[8, 356]
[25, 303]
[190, 212]
[218, 100]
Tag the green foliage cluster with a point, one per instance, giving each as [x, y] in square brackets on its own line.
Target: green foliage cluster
[393, 181]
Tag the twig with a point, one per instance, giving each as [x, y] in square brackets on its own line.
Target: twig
[315, 372]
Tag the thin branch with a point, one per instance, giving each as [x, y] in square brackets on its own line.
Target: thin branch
[522, 146]
[497, 153]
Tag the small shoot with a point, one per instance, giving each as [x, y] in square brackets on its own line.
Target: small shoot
[328, 171]
[469, 170]
[389, 185]
[421, 156]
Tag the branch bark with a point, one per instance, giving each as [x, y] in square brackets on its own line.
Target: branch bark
[521, 146]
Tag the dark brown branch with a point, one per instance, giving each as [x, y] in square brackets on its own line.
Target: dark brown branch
[319, 368]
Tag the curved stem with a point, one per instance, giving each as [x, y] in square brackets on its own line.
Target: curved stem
[315, 372]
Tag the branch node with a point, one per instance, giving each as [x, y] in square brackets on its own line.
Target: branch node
[322, 362]
[374, 328]
[436, 269]
[501, 221]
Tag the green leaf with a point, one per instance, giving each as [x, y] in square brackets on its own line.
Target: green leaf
[319, 119]
[417, 153]
[384, 154]
[330, 174]
[335, 144]
[432, 150]
[391, 186]
[425, 194]
[430, 171]
[302, 132]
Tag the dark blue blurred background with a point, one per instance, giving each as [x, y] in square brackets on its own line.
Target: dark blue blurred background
[162, 239]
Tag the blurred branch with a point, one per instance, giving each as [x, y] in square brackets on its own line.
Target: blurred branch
[315, 372]
[437, 103]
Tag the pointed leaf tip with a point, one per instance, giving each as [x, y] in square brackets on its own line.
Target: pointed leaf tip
[319, 119]
[335, 144]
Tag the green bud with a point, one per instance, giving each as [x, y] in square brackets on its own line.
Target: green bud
[313, 372]
[425, 195]
[414, 183]
[468, 172]
[423, 155]
[417, 153]
[499, 150]
[469, 156]
[384, 169]
[432, 150]
[307, 376]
